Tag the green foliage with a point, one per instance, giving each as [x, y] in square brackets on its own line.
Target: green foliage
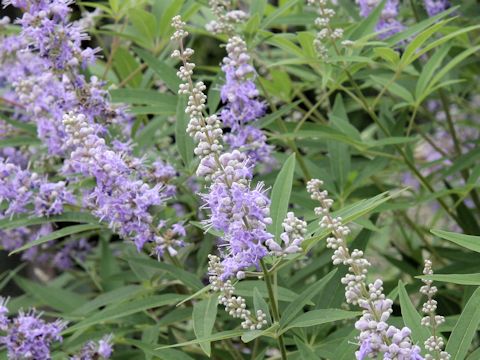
[390, 124]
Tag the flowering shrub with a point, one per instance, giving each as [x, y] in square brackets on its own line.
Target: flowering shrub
[309, 166]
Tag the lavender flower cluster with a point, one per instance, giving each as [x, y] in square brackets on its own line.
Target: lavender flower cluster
[43, 70]
[26, 192]
[242, 106]
[376, 336]
[119, 198]
[434, 7]
[28, 337]
[239, 93]
[388, 24]
[238, 210]
[93, 350]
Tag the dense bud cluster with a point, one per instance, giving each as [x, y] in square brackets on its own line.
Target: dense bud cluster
[235, 306]
[226, 17]
[292, 237]
[434, 344]
[376, 336]
[325, 30]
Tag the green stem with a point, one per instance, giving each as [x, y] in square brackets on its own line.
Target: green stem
[273, 305]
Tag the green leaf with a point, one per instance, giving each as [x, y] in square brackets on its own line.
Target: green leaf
[268, 119]
[165, 72]
[318, 317]
[277, 13]
[444, 39]
[145, 23]
[125, 64]
[461, 279]
[115, 5]
[163, 354]
[387, 54]
[429, 70]
[465, 328]
[245, 289]
[109, 265]
[474, 355]
[204, 316]
[54, 297]
[281, 195]
[186, 277]
[467, 241]
[257, 7]
[117, 295]
[306, 352]
[411, 317]
[259, 303]
[28, 127]
[420, 39]
[183, 141]
[394, 88]
[145, 97]
[229, 334]
[250, 335]
[19, 141]
[348, 214]
[302, 299]
[367, 25]
[419, 27]
[57, 235]
[452, 64]
[172, 10]
[118, 311]
[27, 220]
